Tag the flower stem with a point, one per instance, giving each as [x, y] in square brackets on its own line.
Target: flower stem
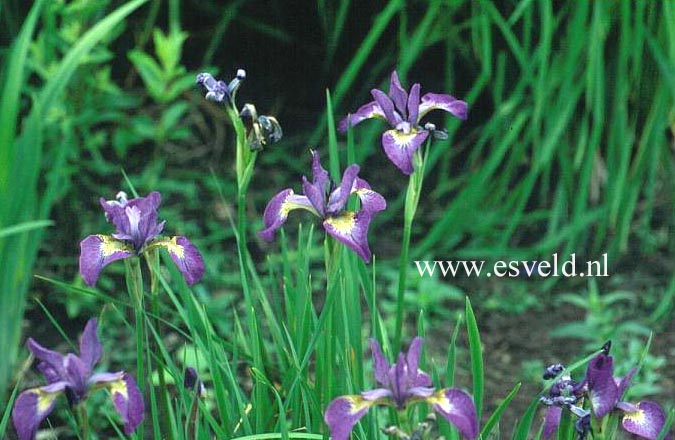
[134, 280]
[412, 198]
[83, 420]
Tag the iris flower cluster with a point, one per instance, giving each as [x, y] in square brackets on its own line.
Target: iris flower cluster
[73, 376]
[604, 392]
[402, 383]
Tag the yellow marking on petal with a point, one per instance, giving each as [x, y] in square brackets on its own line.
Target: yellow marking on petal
[45, 400]
[119, 386]
[358, 403]
[638, 416]
[110, 245]
[345, 223]
[402, 139]
[439, 399]
[174, 248]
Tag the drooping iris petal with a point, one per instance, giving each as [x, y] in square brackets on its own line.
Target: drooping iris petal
[343, 413]
[438, 101]
[185, 255]
[366, 111]
[552, 420]
[90, 345]
[351, 228]
[602, 389]
[128, 402]
[646, 422]
[32, 407]
[276, 211]
[400, 147]
[96, 252]
[380, 363]
[458, 408]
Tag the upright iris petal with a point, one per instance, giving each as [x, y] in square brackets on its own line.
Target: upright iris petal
[71, 375]
[403, 111]
[403, 383]
[136, 230]
[348, 227]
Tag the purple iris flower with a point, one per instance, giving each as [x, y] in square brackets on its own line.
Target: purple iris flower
[403, 111]
[137, 231]
[402, 383]
[220, 91]
[329, 203]
[644, 419]
[73, 376]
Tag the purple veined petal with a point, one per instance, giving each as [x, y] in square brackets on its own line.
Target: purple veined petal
[277, 211]
[414, 105]
[398, 382]
[32, 407]
[366, 111]
[128, 402]
[77, 377]
[319, 174]
[552, 421]
[343, 413]
[623, 383]
[647, 422]
[437, 101]
[418, 378]
[96, 252]
[400, 147]
[90, 345]
[380, 363]
[338, 198]
[458, 408]
[351, 229]
[52, 364]
[378, 395]
[316, 195]
[385, 103]
[602, 389]
[398, 95]
[185, 255]
[371, 201]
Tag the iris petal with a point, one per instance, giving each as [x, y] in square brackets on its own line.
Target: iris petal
[438, 101]
[398, 95]
[458, 408]
[380, 364]
[366, 111]
[32, 407]
[96, 252]
[646, 422]
[277, 211]
[338, 198]
[90, 345]
[552, 421]
[602, 388]
[351, 229]
[186, 256]
[343, 413]
[128, 402]
[387, 106]
[400, 147]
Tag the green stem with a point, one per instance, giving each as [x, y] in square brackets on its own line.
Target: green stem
[412, 198]
[83, 420]
[134, 280]
[152, 258]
